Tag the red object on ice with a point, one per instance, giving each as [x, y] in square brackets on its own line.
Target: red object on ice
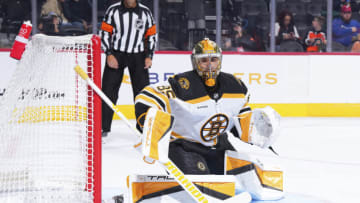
[21, 40]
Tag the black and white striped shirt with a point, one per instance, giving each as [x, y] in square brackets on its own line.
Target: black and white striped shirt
[130, 30]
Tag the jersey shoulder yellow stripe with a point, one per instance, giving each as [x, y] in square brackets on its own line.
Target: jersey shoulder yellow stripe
[148, 100]
[160, 93]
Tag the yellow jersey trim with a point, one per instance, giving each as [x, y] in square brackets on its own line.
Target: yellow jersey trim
[160, 96]
[233, 95]
[198, 100]
[148, 99]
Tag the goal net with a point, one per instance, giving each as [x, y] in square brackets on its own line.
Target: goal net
[50, 127]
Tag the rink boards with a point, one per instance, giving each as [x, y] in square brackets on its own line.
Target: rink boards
[294, 84]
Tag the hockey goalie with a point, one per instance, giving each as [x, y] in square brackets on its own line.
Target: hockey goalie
[214, 131]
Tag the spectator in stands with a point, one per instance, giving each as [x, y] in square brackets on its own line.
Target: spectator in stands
[285, 29]
[338, 4]
[315, 38]
[240, 41]
[54, 20]
[78, 12]
[346, 30]
[54, 6]
[50, 24]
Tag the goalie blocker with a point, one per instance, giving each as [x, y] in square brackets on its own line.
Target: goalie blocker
[156, 134]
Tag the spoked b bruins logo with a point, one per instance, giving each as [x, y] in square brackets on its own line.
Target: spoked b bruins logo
[214, 127]
[184, 83]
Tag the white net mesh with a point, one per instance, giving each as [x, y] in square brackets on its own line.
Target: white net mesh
[45, 131]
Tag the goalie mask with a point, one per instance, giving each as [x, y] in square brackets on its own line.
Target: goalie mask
[206, 60]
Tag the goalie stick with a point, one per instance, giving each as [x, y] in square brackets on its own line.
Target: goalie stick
[169, 166]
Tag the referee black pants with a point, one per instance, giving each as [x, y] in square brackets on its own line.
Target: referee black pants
[112, 78]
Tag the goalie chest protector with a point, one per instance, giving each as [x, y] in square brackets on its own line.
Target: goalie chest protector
[199, 118]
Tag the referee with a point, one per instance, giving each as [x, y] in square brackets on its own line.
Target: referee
[128, 36]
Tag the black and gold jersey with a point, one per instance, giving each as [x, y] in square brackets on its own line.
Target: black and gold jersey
[201, 114]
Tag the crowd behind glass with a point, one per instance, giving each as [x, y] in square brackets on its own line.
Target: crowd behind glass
[300, 25]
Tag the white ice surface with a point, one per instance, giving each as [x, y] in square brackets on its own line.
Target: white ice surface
[321, 158]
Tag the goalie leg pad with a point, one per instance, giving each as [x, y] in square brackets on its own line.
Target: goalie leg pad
[262, 181]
